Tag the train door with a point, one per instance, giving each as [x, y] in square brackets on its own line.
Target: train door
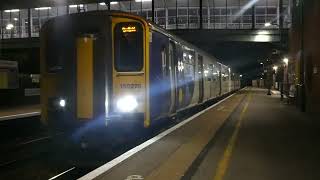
[93, 77]
[201, 83]
[172, 75]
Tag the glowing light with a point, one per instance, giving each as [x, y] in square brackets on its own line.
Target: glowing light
[75, 6]
[275, 68]
[261, 63]
[180, 66]
[9, 26]
[267, 24]
[286, 61]
[246, 7]
[263, 33]
[129, 29]
[11, 10]
[127, 104]
[62, 103]
[15, 19]
[143, 0]
[112, 3]
[240, 75]
[262, 38]
[42, 8]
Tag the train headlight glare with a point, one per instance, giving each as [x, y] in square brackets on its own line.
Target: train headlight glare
[62, 103]
[127, 104]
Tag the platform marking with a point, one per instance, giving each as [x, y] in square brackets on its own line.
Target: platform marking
[134, 177]
[7, 163]
[55, 177]
[22, 115]
[220, 108]
[35, 140]
[106, 167]
[224, 161]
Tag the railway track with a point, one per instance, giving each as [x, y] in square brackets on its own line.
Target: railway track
[56, 157]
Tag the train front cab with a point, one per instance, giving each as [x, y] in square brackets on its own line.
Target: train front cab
[86, 76]
[130, 71]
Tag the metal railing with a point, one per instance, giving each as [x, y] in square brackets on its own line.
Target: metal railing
[16, 23]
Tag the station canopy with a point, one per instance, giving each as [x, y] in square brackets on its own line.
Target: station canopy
[17, 4]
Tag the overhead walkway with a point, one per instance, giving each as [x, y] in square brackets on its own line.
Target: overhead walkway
[247, 136]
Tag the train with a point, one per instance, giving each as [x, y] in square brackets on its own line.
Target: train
[120, 68]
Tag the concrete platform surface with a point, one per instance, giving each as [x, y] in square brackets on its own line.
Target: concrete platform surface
[274, 141]
[249, 136]
[169, 156]
[19, 112]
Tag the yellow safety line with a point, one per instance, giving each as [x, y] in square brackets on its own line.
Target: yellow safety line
[224, 161]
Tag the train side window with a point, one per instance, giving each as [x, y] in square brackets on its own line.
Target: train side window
[164, 60]
[128, 47]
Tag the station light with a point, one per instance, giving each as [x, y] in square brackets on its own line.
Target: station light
[275, 68]
[285, 60]
[112, 3]
[267, 24]
[11, 10]
[143, 0]
[9, 26]
[75, 6]
[42, 8]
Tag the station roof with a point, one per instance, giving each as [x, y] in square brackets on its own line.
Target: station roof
[22, 4]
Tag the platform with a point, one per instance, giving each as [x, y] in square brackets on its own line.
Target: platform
[19, 112]
[247, 136]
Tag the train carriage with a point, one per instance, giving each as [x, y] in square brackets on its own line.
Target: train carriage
[120, 68]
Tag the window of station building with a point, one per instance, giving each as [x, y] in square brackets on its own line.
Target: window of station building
[76, 8]
[91, 7]
[35, 23]
[194, 17]
[61, 10]
[11, 24]
[160, 13]
[182, 18]
[128, 45]
[171, 18]
[24, 24]
[160, 17]
[102, 6]
[115, 6]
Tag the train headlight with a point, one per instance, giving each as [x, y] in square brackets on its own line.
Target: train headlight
[62, 102]
[127, 104]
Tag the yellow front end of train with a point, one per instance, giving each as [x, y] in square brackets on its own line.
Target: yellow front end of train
[94, 68]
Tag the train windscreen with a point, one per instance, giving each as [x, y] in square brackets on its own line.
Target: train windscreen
[128, 47]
